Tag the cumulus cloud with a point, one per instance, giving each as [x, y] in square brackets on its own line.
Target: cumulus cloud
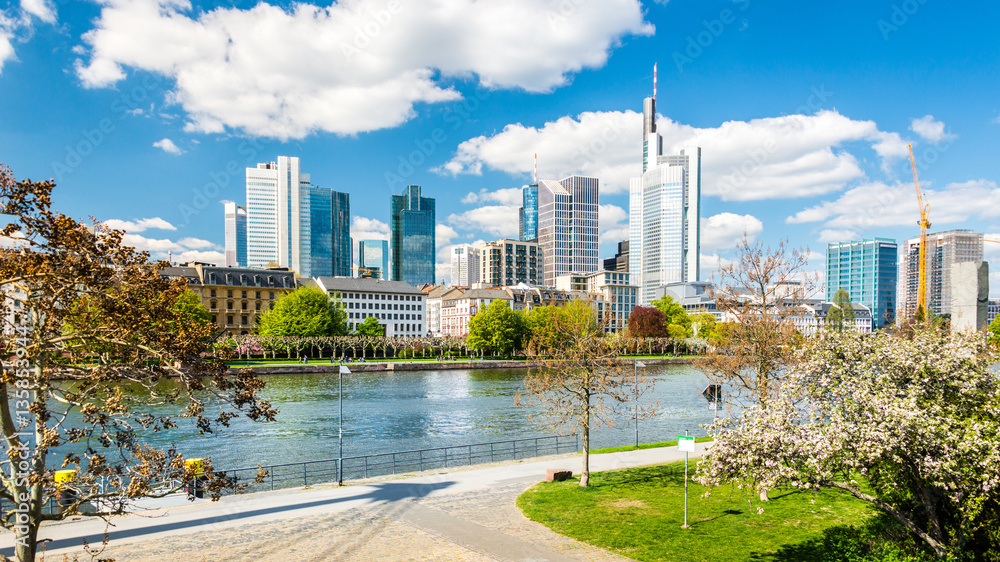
[232, 68]
[507, 196]
[612, 223]
[168, 146]
[930, 130]
[14, 26]
[139, 225]
[41, 9]
[723, 231]
[363, 228]
[499, 220]
[711, 264]
[182, 251]
[773, 158]
[876, 205]
[829, 235]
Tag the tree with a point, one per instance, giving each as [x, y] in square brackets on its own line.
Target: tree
[703, 326]
[588, 385]
[647, 322]
[496, 328]
[674, 315]
[917, 416]
[841, 314]
[993, 332]
[89, 328]
[540, 323]
[306, 311]
[370, 327]
[189, 305]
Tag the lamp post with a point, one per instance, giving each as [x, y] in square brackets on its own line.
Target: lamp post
[635, 388]
[340, 435]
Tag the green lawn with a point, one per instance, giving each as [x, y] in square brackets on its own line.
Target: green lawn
[638, 513]
[625, 448]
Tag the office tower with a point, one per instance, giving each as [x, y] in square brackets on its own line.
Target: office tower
[528, 213]
[664, 212]
[342, 253]
[464, 265]
[620, 261]
[944, 249]
[290, 222]
[373, 256]
[509, 262]
[412, 232]
[567, 226]
[236, 235]
[867, 270]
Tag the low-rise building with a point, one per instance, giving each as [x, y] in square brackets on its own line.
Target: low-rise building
[459, 306]
[435, 295]
[615, 289]
[399, 307]
[992, 310]
[695, 297]
[509, 262]
[815, 315]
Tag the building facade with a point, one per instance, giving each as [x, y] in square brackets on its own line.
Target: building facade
[944, 249]
[509, 262]
[613, 287]
[236, 235]
[412, 240]
[620, 261]
[528, 213]
[399, 307]
[814, 317]
[373, 258]
[992, 310]
[465, 268]
[458, 308]
[567, 226]
[294, 224]
[867, 270]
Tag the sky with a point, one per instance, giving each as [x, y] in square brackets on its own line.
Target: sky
[146, 112]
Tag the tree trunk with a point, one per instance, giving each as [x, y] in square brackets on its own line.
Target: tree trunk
[26, 543]
[763, 496]
[585, 470]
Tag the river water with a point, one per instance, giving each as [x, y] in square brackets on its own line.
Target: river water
[400, 411]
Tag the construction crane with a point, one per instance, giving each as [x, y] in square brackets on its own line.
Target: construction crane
[924, 225]
[370, 272]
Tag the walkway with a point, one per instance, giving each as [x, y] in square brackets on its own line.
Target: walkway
[457, 515]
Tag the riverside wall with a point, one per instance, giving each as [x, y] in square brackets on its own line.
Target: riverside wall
[365, 367]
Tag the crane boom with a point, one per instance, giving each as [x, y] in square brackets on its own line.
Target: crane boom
[924, 225]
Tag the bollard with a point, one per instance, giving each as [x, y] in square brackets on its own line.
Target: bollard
[194, 486]
[65, 495]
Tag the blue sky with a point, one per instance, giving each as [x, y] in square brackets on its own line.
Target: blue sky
[147, 111]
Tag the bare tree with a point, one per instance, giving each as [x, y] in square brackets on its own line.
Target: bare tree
[584, 383]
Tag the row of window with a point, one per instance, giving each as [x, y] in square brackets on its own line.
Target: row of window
[363, 315]
[229, 294]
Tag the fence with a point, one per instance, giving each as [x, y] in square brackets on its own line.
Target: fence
[323, 471]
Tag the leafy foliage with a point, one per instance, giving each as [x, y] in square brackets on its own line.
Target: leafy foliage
[674, 316]
[370, 327]
[993, 332]
[189, 306]
[841, 314]
[306, 311]
[647, 322]
[497, 329]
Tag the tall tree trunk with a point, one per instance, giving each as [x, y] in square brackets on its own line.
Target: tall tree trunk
[585, 470]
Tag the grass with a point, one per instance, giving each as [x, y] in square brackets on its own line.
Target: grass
[625, 448]
[638, 513]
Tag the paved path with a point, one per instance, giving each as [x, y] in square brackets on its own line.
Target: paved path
[463, 514]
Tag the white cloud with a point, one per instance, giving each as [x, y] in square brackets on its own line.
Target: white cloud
[829, 235]
[710, 266]
[168, 145]
[368, 229]
[930, 130]
[499, 220]
[155, 223]
[723, 231]
[443, 235]
[232, 68]
[991, 251]
[773, 158]
[876, 205]
[6, 47]
[182, 251]
[612, 223]
[507, 196]
[41, 9]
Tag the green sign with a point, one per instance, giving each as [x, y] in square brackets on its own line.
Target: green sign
[685, 443]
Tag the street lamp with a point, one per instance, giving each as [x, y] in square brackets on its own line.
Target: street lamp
[635, 383]
[340, 436]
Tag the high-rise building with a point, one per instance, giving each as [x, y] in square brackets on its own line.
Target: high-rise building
[664, 212]
[528, 213]
[373, 258]
[291, 222]
[615, 289]
[412, 229]
[236, 235]
[944, 249]
[567, 226]
[509, 262]
[867, 270]
[620, 261]
[464, 265]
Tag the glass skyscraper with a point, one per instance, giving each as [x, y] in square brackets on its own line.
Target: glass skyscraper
[567, 227]
[867, 270]
[236, 235]
[528, 213]
[412, 237]
[373, 255]
[341, 230]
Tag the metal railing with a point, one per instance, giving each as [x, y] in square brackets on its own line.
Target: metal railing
[324, 471]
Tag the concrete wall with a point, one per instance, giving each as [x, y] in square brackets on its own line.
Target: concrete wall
[970, 289]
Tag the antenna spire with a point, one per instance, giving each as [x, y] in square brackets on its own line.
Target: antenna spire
[536, 169]
[654, 81]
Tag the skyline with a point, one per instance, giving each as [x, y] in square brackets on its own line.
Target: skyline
[803, 113]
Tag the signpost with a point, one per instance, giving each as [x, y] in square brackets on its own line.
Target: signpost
[635, 374]
[713, 393]
[340, 436]
[686, 444]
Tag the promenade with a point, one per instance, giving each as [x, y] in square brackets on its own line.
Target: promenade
[459, 514]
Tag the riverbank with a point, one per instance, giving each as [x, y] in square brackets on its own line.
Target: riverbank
[375, 366]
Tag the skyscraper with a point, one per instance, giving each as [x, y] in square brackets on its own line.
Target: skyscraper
[866, 269]
[341, 252]
[290, 222]
[412, 237]
[464, 265]
[509, 262]
[944, 249]
[567, 226]
[664, 212]
[236, 235]
[373, 255]
[528, 213]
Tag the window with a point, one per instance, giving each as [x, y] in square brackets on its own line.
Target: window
[258, 306]
[244, 305]
[229, 305]
[229, 319]
[229, 294]
[258, 294]
[213, 292]
[212, 304]
[213, 319]
[272, 295]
